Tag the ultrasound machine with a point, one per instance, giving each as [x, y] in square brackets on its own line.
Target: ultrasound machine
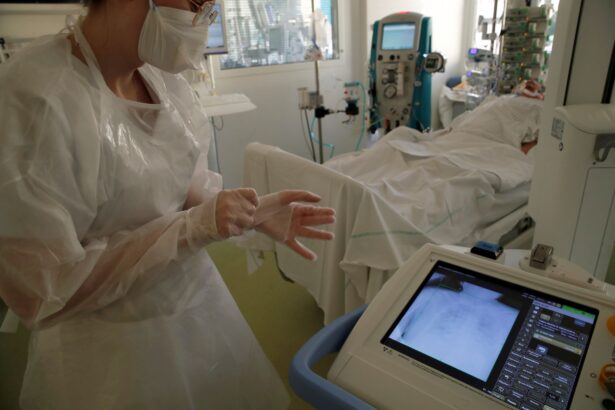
[452, 330]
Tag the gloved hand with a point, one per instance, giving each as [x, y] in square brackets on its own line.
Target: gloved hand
[235, 210]
[283, 219]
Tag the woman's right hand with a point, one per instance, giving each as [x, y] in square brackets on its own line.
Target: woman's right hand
[235, 209]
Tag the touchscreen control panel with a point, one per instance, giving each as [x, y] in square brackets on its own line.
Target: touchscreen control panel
[521, 346]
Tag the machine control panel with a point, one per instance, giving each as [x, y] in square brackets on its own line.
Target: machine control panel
[398, 40]
[544, 362]
[401, 65]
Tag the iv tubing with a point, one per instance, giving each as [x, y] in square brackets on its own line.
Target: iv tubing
[363, 114]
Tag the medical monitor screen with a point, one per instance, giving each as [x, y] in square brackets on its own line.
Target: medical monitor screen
[398, 36]
[216, 38]
[518, 345]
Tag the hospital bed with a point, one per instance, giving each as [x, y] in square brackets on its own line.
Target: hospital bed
[374, 233]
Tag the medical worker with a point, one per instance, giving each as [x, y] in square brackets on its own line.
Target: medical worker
[106, 204]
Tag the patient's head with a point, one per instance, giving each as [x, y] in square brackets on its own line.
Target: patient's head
[527, 146]
[530, 89]
[507, 119]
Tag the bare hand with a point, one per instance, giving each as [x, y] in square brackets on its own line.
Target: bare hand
[235, 211]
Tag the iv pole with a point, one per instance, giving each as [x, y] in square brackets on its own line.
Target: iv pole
[317, 72]
[495, 16]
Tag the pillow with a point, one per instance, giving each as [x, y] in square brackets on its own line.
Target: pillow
[507, 119]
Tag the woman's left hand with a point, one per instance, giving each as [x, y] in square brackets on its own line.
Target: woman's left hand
[282, 217]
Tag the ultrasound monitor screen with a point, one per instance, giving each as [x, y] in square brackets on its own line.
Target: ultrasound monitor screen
[448, 319]
[398, 36]
[501, 338]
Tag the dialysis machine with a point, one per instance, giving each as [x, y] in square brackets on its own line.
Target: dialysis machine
[401, 64]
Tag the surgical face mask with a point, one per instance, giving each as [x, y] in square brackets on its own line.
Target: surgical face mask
[169, 40]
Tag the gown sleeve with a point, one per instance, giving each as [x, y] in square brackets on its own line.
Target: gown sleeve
[48, 271]
[205, 184]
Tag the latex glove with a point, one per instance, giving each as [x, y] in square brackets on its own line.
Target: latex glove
[235, 210]
[281, 217]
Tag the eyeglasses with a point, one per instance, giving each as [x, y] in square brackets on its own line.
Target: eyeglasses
[204, 11]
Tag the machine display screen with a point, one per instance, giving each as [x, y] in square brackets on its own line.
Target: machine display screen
[518, 345]
[398, 36]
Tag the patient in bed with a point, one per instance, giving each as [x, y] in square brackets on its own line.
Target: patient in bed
[512, 121]
[449, 183]
[509, 119]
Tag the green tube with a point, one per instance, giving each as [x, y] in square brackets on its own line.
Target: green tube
[330, 146]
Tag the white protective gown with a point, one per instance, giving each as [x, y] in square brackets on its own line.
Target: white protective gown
[96, 254]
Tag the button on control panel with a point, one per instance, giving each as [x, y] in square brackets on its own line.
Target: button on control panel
[541, 369]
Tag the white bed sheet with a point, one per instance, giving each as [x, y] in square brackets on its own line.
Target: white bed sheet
[447, 187]
[374, 235]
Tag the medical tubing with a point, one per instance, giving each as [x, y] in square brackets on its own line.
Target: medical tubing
[215, 138]
[305, 138]
[331, 146]
[379, 122]
[358, 145]
[317, 76]
[311, 141]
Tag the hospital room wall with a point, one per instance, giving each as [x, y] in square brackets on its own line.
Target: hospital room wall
[452, 28]
[26, 21]
[273, 89]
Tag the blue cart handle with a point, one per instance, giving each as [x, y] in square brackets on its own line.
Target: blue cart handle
[315, 390]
